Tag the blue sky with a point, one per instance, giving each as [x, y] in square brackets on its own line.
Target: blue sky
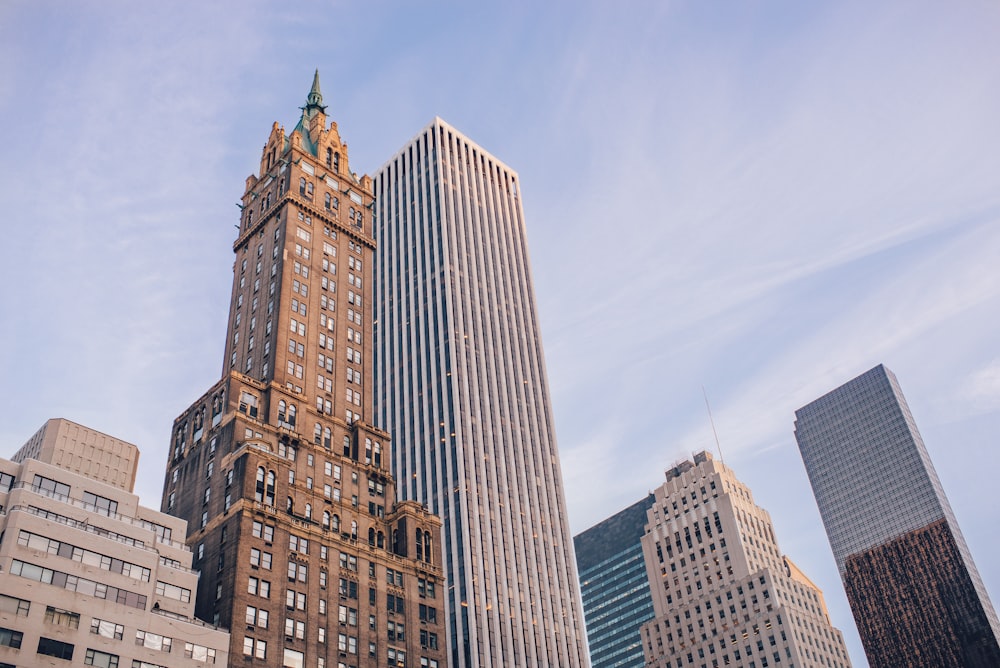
[764, 199]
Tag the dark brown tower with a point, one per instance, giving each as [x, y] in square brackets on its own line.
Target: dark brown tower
[304, 554]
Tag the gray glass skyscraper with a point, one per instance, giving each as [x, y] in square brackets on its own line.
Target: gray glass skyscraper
[915, 592]
[460, 377]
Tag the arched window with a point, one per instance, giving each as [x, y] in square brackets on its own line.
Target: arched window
[290, 505]
[381, 540]
[302, 185]
[336, 162]
[371, 537]
[329, 157]
[317, 434]
[354, 530]
[282, 410]
[259, 492]
[326, 201]
[327, 434]
[309, 511]
[378, 454]
[291, 415]
[420, 545]
[326, 519]
[427, 546]
[335, 523]
[269, 490]
[395, 541]
[368, 451]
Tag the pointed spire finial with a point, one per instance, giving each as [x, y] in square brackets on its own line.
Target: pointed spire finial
[314, 100]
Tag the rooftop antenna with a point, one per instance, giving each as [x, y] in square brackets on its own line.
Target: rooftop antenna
[711, 420]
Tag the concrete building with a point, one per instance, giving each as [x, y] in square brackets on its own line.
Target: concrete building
[723, 594]
[280, 468]
[461, 384]
[87, 575]
[915, 592]
[614, 586]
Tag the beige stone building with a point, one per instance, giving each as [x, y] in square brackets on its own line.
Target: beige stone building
[279, 468]
[723, 594]
[88, 577]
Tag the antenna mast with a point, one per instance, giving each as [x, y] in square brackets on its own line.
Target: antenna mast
[711, 421]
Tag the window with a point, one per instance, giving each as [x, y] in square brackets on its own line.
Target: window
[295, 629]
[100, 504]
[173, 591]
[395, 603]
[428, 639]
[102, 659]
[255, 648]
[295, 600]
[62, 617]
[50, 487]
[260, 558]
[296, 571]
[16, 606]
[199, 653]
[258, 587]
[11, 638]
[265, 531]
[428, 614]
[298, 544]
[153, 641]
[60, 650]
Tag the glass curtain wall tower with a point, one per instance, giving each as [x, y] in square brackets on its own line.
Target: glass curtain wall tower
[911, 582]
[460, 379]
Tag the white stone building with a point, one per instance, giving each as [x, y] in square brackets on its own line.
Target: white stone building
[88, 577]
[723, 593]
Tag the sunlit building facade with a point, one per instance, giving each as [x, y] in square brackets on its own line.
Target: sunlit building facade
[280, 468]
[461, 384]
[88, 577]
[723, 593]
[916, 594]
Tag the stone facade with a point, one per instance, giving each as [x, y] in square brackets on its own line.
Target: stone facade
[87, 575]
[283, 477]
[723, 594]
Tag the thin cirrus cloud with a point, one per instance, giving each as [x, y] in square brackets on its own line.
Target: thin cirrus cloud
[764, 200]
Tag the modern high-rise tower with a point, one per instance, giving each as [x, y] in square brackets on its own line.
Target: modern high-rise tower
[461, 384]
[614, 586]
[723, 593]
[304, 552]
[915, 592]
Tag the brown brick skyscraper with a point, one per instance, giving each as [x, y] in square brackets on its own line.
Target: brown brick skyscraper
[304, 553]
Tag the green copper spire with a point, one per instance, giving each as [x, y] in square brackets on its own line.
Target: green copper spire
[314, 100]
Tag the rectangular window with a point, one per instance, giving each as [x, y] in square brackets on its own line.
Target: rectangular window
[199, 653]
[62, 617]
[153, 641]
[15, 606]
[50, 487]
[56, 648]
[173, 591]
[11, 638]
[102, 659]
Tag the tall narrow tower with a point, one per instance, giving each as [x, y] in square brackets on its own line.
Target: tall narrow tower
[911, 582]
[460, 380]
[284, 479]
